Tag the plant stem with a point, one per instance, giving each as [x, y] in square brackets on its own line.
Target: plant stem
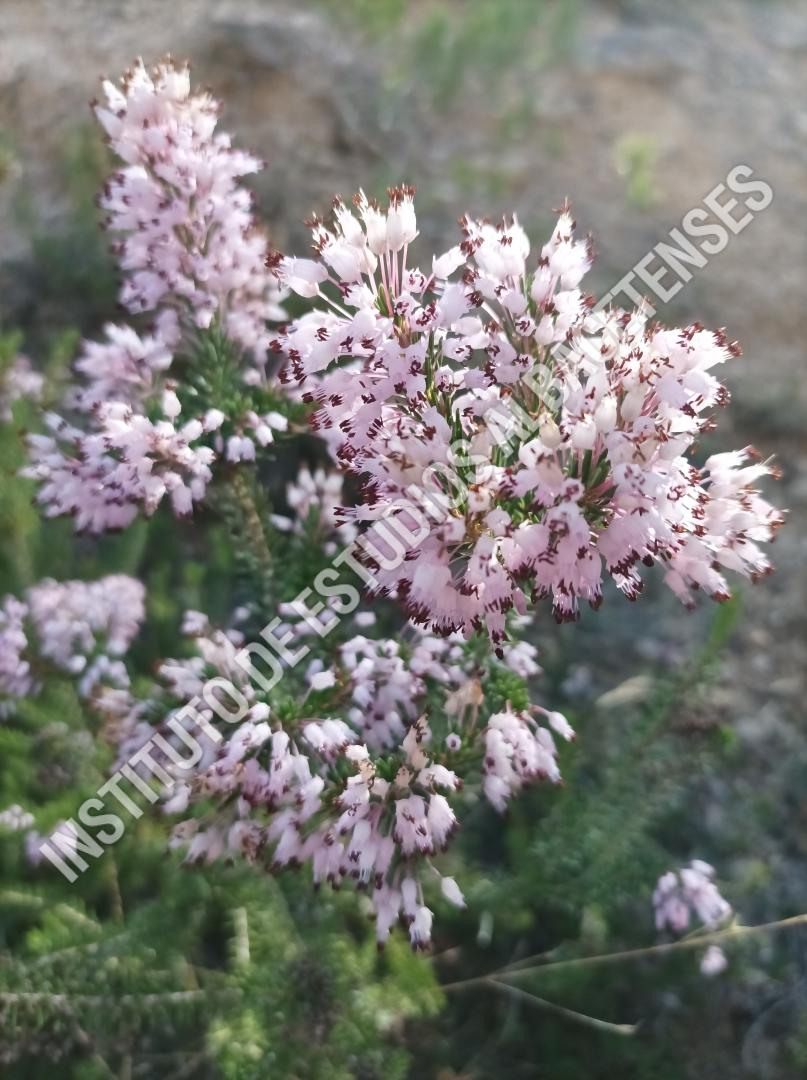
[560, 1010]
[252, 529]
[517, 969]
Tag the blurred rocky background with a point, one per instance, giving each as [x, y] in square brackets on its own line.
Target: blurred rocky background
[635, 111]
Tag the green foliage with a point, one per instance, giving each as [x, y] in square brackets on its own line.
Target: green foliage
[569, 874]
[224, 970]
[376, 17]
[599, 832]
[636, 159]
[445, 50]
[69, 280]
[25, 539]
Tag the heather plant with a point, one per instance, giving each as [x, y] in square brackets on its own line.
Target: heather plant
[139, 965]
[382, 468]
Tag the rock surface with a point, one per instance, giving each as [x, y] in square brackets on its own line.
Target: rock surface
[684, 91]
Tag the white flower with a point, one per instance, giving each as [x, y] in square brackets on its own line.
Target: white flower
[452, 892]
[713, 961]
[322, 680]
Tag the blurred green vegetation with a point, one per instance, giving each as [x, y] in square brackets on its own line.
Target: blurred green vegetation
[636, 160]
[69, 278]
[440, 51]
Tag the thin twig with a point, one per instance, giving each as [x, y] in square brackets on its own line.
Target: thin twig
[31, 900]
[87, 946]
[734, 931]
[170, 997]
[241, 951]
[560, 1010]
[254, 532]
[114, 888]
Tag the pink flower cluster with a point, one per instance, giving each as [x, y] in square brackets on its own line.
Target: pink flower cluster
[187, 238]
[680, 894]
[15, 669]
[362, 783]
[514, 441]
[315, 499]
[193, 258]
[79, 628]
[19, 380]
[15, 818]
[126, 465]
[518, 441]
[518, 751]
[692, 890]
